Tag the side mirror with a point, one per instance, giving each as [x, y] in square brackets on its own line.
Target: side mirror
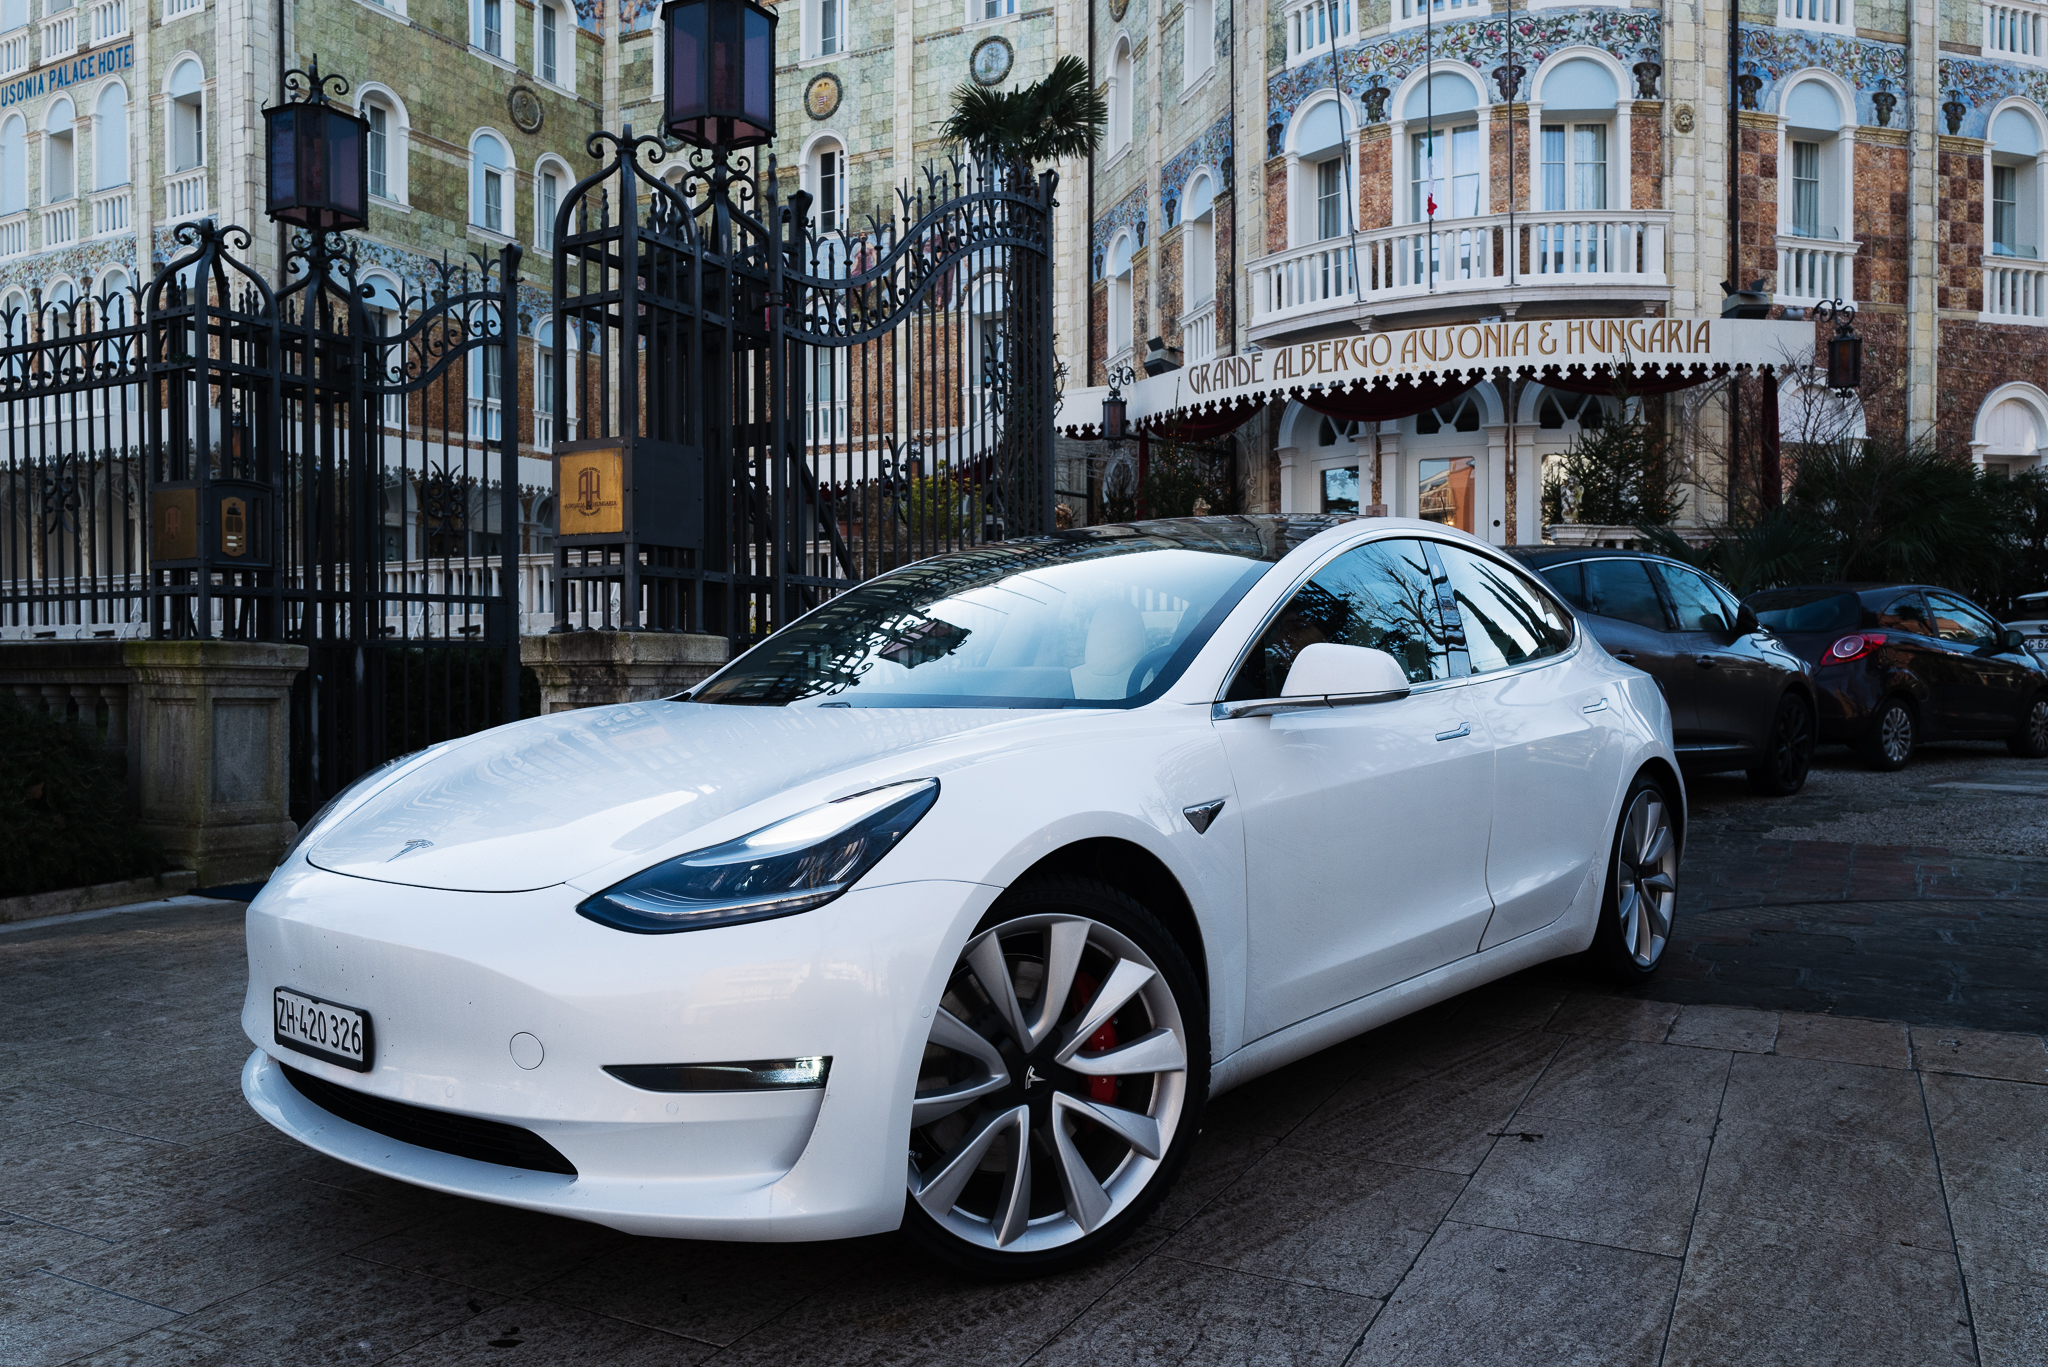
[1745, 620]
[1324, 669]
[2012, 641]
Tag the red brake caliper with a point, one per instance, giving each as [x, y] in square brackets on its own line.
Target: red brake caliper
[1099, 1088]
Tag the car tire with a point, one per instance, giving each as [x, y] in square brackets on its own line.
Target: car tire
[1005, 1079]
[1788, 751]
[1888, 743]
[2031, 740]
[1642, 885]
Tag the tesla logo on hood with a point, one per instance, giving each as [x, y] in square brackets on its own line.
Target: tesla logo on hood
[410, 846]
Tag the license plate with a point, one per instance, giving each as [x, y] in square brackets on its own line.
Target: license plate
[329, 1030]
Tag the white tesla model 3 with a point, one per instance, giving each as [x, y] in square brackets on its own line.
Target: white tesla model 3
[951, 904]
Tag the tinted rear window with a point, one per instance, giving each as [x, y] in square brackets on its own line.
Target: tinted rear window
[1806, 609]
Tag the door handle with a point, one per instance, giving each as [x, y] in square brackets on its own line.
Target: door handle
[1627, 657]
[1464, 729]
[1705, 661]
[1597, 705]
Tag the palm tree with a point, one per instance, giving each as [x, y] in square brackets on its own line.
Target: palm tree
[1058, 115]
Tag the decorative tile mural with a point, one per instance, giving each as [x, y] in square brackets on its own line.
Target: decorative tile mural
[1129, 212]
[82, 264]
[1772, 54]
[1482, 44]
[1983, 84]
[1210, 149]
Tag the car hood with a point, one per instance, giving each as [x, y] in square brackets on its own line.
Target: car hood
[541, 801]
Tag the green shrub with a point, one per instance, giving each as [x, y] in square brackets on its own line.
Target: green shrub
[66, 816]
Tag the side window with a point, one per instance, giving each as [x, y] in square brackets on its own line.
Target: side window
[1621, 589]
[1957, 621]
[1570, 583]
[1508, 620]
[1905, 613]
[1381, 596]
[1699, 607]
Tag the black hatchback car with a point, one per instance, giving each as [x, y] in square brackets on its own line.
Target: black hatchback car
[1897, 664]
[1739, 699]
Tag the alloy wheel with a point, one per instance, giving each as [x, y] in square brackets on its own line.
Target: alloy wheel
[1646, 879]
[1895, 734]
[1052, 1085]
[2035, 736]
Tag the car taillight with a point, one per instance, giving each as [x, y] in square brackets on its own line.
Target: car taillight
[1853, 647]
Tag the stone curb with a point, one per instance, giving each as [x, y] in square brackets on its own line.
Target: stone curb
[37, 905]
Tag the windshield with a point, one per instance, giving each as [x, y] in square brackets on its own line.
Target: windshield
[1806, 609]
[1101, 617]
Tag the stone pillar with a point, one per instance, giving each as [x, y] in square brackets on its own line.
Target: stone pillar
[599, 668]
[210, 735]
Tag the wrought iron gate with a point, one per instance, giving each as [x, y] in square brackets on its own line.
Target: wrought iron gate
[773, 406]
[207, 456]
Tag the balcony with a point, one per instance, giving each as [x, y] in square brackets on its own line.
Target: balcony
[1595, 256]
[60, 225]
[2015, 292]
[1838, 15]
[1198, 333]
[110, 213]
[185, 195]
[2014, 31]
[14, 235]
[108, 20]
[14, 52]
[60, 36]
[1814, 270]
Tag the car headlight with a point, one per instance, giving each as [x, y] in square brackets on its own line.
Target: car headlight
[798, 863]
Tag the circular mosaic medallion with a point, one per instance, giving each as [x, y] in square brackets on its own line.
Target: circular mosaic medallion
[821, 96]
[992, 60]
[1682, 120]
[526, 109]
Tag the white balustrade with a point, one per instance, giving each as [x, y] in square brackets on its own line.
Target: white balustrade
[110, 213]
[60, 36]
[1390, 265]
[14, 52]
[109, 20]
[14, 235]
[174, 8]
[1815, 13]
[1198, 333]
[185, 194]
[60, 225]
[2014, 30]
[1811, 270]
[2015, 293]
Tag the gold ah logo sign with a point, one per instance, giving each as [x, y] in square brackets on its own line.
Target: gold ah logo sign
[591, 485]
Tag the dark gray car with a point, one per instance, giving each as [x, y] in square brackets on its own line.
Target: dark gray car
[1739, 698]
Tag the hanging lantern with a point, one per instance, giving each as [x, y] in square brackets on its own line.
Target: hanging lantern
[319, 155]
[1115, 417]
[721, 73]
[1845, 348]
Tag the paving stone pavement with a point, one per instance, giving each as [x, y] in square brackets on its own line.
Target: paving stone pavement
[1819, 1137]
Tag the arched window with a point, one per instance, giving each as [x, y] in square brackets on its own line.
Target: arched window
[1198, 40]
[1322, 148]
[389, 144]
[554, 44]
[13, 15]
[13, 165]
[1198, 270]
[1120, 298]
[824, 27]
[1121, 96]
[188, 116]
[2014, 182]
[487, 27]
[1579, 96]
[110, 139]
[60, 153]
[1444, 156]
[2012, 428]
[551, 362]
[1813, 164]
[1311, 28]
[384, 303]
[825, 174]
[490, 186]
[550, 182]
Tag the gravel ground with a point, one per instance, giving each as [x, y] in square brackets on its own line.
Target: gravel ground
[1920, 805]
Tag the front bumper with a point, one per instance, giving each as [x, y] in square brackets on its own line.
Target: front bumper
[449, 978]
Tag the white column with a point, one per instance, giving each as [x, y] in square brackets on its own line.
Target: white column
[1493, 496]
[1625, 154]
[1285, 456]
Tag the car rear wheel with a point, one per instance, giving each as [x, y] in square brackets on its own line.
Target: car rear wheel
[1642, 885]
[1889, 742]
[1062, 1085]
[2031, 740]
[1788, 753]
